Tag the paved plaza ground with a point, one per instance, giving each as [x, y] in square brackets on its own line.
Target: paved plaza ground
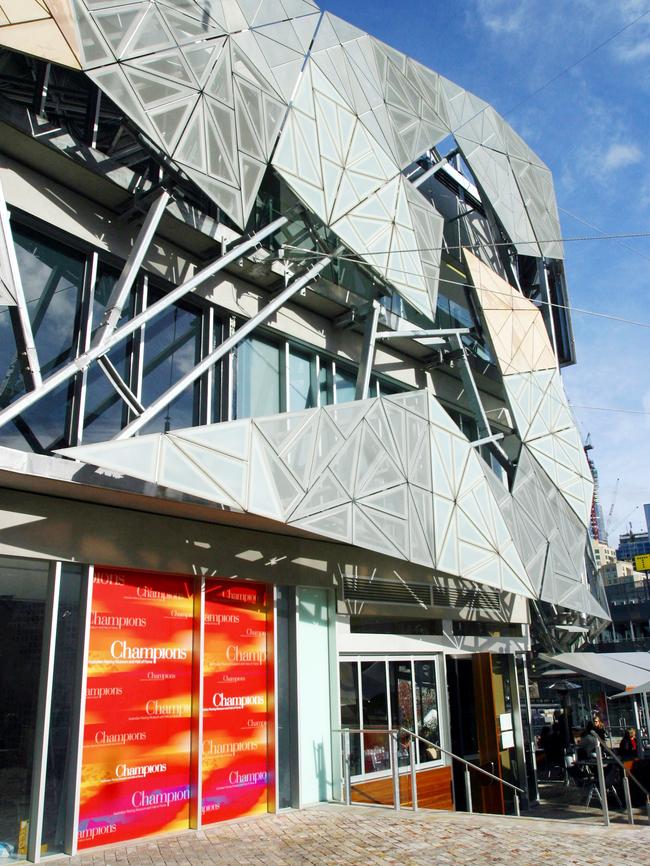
[364, 836]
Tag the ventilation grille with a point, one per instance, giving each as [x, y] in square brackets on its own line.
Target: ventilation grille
[419, 594]
[483, 599]
[393, 592]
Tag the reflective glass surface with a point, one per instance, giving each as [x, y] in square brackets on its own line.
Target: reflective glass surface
[346, 385]
[426, 699]
[376, 751]
[301, 381]
[349, 679]
[401, 702]
[65, 686]
[171, 349]
[23, 592]
[258, 378]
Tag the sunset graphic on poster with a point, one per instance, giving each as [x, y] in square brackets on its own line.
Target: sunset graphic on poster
[137, 732]
[236, 772]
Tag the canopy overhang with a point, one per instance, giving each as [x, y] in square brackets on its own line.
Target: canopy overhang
[626, 671]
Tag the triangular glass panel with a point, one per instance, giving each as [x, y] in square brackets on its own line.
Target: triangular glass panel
[152, 90]
[421, 526]
[287, 489]
[344, 464]
[394, 501]
[281, 429]
[177, 471]
[219, 83]
[167, 64]
[113, 82]
[191, 147]
[228, 474]
[394, 529]
[325, 494]
[230, 437]
[151, 35]
[384, 474]
[298, 454]
[136, 457]
[366, 534]
[335, 523]
[170, 120]
[116, 24]
[251, 174]
[187, 29]
[262, 496]
[201, 58]
[328, 442]
[223, 163]
[347, 416]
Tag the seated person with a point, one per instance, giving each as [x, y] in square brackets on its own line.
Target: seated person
[589, 741]
[627, 748]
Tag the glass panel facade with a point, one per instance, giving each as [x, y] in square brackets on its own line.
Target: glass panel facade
[426, 701]
[258, 379]
[349, 680]
[23, 594]
[401, 702]
[388, 693]
[65, 686]
[301, 381]
[345, 385]
[376, 750]
[171, 349]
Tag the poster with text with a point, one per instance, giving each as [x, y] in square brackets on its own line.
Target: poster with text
[136, 755]
[236, 771]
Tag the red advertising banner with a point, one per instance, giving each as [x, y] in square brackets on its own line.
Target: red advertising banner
[236, 771]
[137, 734]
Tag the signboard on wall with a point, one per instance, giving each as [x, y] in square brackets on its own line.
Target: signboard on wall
[236, 767]
[136, 755]
[642, 562]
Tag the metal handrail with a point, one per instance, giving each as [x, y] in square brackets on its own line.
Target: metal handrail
[625, 770]
[463, 761]
[394, 734]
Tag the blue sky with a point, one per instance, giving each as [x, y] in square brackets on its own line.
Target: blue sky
[591, 126]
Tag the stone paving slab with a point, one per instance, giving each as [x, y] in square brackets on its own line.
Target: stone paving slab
[356, 836]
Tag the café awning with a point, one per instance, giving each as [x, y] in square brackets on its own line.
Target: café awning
[624, 671]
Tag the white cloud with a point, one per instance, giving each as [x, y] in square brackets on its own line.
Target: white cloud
[503, 16]
[620, 156]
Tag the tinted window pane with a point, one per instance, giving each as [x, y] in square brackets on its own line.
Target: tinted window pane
[171, 349]
[325, 383]
[426, 700]
[301, 391]
[258, 378]
[23, 590]
[64, 694]
[376, 751]
[401, 702]
[349, 677]
[346, 386]
[52, 278]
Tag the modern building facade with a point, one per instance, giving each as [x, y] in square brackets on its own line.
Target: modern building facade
[631, 544]
[284, 446]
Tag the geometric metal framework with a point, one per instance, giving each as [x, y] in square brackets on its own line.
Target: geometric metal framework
[225, 89]
[394, 475]
[226, 93]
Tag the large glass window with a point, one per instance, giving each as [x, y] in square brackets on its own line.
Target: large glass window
[389, 693]
[302, 380]
[23, 594]
[172, 347]
[345, 383]
[258, 378]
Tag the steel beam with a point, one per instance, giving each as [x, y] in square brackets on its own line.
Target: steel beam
[367, 352]
[120, 386]
[417, 334]
[262, 316]
[80, 363]
[27, 346]
[429, 172]
[486, 440]
[123, 286]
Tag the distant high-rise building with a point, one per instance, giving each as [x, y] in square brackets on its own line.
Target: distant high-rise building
[631, 543]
